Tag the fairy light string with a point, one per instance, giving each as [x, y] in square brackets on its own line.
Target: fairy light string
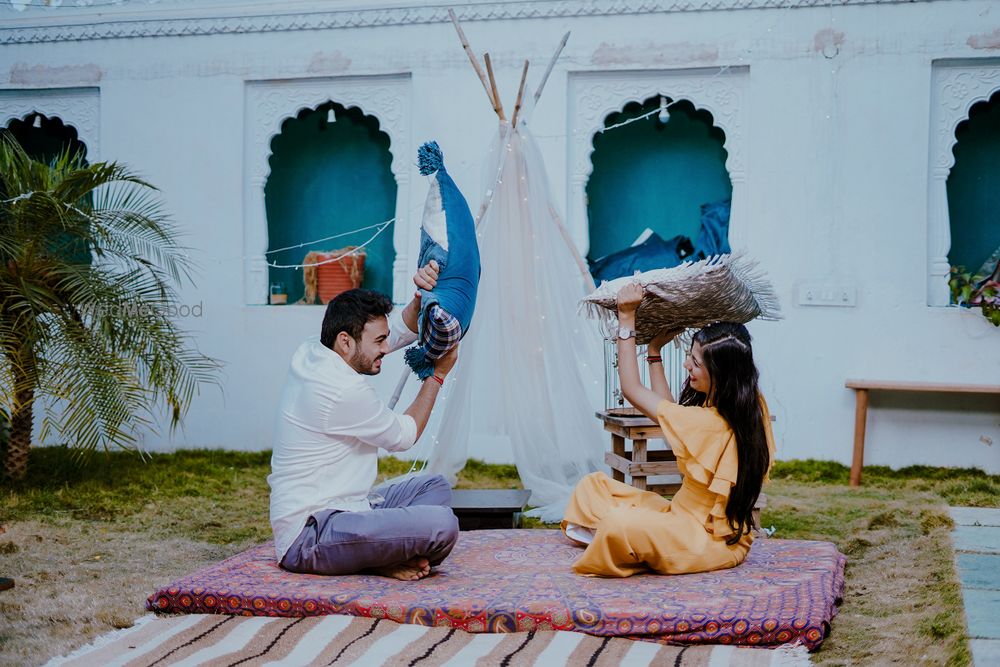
[380, 227]
[354, 251]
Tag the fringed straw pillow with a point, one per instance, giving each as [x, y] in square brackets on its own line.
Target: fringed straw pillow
[726, 288]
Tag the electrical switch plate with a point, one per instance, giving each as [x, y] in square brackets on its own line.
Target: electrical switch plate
[826, 294]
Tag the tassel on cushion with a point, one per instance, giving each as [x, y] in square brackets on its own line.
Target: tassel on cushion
[416, 359]
[429, 158]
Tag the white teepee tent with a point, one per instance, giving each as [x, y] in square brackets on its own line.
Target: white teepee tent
[530, 369]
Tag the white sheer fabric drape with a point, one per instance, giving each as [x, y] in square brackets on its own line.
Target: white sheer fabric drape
[530, 369]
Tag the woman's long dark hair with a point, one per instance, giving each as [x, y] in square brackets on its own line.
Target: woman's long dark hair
[728, 358]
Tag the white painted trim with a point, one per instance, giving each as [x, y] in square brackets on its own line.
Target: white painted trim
[79, 108]
[594, 95]
[268, 104]
[162, 19]
[956, 85]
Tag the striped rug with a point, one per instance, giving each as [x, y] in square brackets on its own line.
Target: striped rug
[199, 639]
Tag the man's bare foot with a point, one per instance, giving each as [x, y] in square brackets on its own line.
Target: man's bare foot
[411, 570]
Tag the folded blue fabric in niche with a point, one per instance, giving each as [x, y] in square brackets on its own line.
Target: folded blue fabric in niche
[713, 236]
[448, 236]
[656, 253]
[653, 253]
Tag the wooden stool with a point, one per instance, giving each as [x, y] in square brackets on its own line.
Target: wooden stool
[638, 462]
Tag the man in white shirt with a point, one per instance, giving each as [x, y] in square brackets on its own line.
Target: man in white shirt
[325, 517]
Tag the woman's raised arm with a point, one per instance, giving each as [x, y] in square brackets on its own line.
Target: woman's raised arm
[657, 369]
[643, 398]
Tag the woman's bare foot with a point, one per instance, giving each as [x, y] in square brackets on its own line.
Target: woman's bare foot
[411, 570]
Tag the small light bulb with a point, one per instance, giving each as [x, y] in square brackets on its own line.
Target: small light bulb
[664, 115]
[331, 116]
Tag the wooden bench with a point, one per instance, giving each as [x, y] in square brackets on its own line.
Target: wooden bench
[861, 389]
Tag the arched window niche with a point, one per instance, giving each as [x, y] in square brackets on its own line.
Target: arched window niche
[663, 173]
[46, 139]
[961, 90]
[974, 190]
[63, 114]
[330, 175]
[714, 94]
[269, 105]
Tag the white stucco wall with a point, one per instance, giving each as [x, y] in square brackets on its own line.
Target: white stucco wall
[834, 113]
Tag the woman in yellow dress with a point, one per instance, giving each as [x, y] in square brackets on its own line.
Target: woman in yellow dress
[721, 434]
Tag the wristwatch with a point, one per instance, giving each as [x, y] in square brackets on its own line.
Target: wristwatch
[624, 333]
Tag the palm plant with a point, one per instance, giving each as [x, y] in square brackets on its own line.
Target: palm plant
[89, 270]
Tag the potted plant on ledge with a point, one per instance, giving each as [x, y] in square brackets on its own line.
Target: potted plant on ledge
[978, 291]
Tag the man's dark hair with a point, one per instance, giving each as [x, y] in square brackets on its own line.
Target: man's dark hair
[350, 311]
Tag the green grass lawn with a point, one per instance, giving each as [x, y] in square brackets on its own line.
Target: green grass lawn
[112, 529]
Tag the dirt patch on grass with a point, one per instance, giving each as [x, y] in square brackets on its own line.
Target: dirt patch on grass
[902, 602]
[76, 580]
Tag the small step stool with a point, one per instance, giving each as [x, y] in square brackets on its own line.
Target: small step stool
[638, 462]
[482, 509]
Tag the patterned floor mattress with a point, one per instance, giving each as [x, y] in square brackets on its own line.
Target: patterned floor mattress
[520, 580]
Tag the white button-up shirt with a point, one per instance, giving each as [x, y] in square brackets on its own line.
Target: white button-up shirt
[329, 429]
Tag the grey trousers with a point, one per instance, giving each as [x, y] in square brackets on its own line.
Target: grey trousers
[415, 520]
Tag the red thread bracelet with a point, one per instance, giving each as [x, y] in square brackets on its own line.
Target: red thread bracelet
[440, 381]
[653, 360]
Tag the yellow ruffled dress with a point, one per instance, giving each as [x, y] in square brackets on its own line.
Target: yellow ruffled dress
[638, 531]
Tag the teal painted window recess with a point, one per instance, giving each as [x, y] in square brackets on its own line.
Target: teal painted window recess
[974, 190]
[330, 174]
[654, 174]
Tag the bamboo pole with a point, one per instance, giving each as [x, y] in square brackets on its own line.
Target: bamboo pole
[491, 193]
[588, 280]
[472, 58]
[399, 387]
[552, 63]
[498, 106]
[520, 95]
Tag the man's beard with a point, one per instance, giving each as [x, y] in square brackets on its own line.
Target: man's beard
[365, 365]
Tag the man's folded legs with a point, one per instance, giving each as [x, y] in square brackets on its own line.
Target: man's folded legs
[412, 530]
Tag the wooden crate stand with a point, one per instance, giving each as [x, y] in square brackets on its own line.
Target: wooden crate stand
[638, 463]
